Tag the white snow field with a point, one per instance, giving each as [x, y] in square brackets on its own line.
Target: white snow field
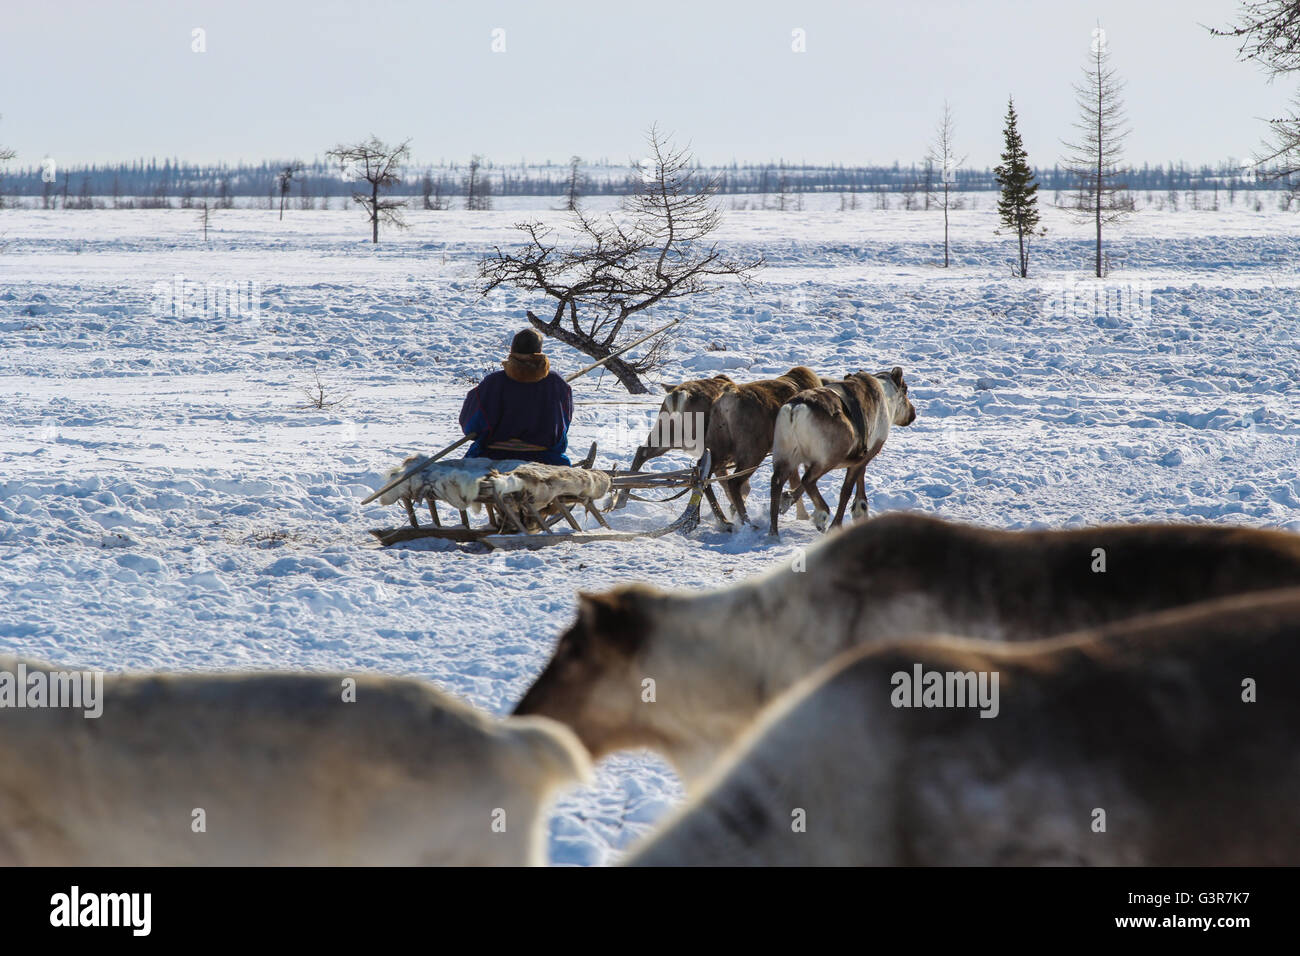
[167, 502]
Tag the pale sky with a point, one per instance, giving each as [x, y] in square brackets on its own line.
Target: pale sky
[94, 81]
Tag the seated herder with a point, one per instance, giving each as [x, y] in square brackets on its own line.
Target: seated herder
[522, 412]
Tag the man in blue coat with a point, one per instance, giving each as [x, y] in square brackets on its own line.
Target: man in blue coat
[522, 412]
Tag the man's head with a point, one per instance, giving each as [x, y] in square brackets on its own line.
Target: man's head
[526, 342]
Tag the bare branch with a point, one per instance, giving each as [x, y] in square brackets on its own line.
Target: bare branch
[655, 249]
[376, 163]
[1269, 31]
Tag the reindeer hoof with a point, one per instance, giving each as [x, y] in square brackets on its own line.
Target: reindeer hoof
[787, 500]
[859, 510]
[821, 519]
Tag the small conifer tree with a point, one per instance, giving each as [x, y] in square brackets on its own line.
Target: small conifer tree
[1018, 204]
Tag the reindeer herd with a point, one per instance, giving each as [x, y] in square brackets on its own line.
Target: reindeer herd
[1147, 704]
[803, 421]
[1139, 691]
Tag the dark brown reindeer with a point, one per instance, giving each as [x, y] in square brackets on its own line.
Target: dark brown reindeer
[681, 423]
[740, 431]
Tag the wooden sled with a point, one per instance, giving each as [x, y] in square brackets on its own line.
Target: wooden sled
[515, 524]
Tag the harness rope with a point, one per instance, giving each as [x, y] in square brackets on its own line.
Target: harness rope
[853, 412]
[656, 501]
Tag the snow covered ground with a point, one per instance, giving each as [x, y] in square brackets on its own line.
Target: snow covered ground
[167, 502]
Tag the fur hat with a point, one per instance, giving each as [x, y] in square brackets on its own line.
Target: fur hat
[527, 367]
[526, 342]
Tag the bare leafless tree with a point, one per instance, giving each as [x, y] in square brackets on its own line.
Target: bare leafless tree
[1269, 34]
[1269, 31]
[943, 157]
[478, 189]
[573, 188]
[431, 193]
[1094, 160]
[377, 164]
[1279, 157]
[317, 397]
[471, 182]
[657, 248]
[908, 191]
[205, 215]
[284, 179]
[6, 154]
[783, 192]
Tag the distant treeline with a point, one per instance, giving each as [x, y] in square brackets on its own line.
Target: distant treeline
[154, 183]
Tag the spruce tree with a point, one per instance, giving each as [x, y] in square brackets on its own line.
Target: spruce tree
[1018, 204]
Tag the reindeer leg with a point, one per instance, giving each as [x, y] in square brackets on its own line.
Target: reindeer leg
[851, 474]
[800, 511]
[860, 507]
[738, 489]
[822, 516]
[712, 497]
[779, 475]
[410, 512]
[433, 511]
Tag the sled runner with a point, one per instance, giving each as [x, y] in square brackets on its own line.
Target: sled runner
[525, 502]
